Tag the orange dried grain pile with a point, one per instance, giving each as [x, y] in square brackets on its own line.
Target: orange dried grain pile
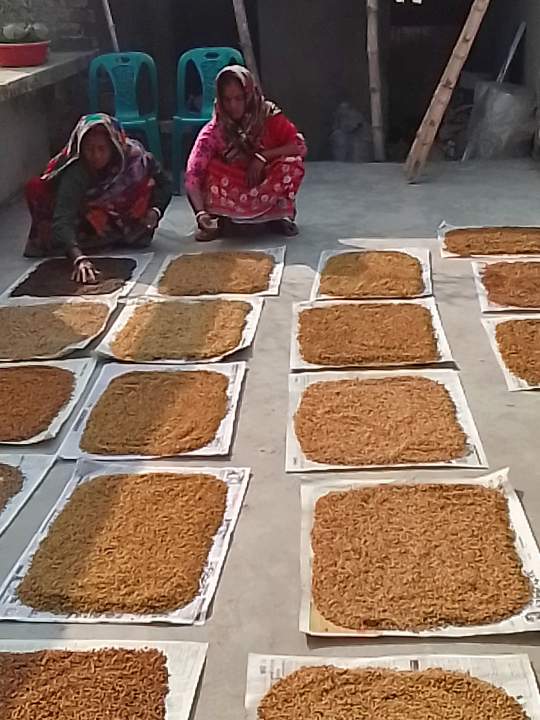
[156, 413]
[519, 346]
[326, 692]
[11, 482]
[513, 283]
[493, 241]
[95, 685]
[128, 544]
[30, 398]
[386, 421]
[210, 273]
[393, 334]
[411, 557]
[372, 274]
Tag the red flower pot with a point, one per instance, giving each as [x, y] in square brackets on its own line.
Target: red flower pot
[23, 54]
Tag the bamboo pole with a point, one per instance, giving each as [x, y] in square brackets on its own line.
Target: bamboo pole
[375, 79]
[111, 25]
[443, 94]
[245, 37]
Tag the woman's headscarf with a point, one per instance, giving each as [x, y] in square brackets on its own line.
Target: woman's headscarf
[129, 168]
[242, 137]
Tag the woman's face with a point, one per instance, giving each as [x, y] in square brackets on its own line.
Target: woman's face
[233, 99]
[97, 149]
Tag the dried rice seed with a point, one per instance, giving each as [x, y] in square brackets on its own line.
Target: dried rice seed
[11, 482]
[513, 283]
[29, 332]
[211, 273]
[30, 398]
[66, 685]
[372, 274]
[330, 693]
[127, 544]
[519, 345]
[493, 241]
[412, 557]
[386, 421]
[367, 335]
[182, 331]
[156, 413]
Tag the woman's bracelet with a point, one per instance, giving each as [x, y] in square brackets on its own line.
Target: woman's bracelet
[80, 259]
[200, 214]
[261, 157]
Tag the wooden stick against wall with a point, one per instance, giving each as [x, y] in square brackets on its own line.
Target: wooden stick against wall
[245, 37]
[375, 79]
[443, 94]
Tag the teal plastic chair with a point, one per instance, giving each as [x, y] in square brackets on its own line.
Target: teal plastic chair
[123, 70]
[208, 63]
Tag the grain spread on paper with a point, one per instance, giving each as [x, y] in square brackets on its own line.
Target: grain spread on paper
[346, 334]
[329, 693]
[179, 330]
[11, 482]
[94, 685]
[211, 273]
[519, 345]
[493, 241]
[156, 413]
[412, 557]
[30, 398]
[384, 421]
[127, 544]
[48, 330]
[513, 283]
[372, 274]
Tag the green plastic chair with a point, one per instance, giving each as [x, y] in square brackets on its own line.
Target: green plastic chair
[208, 63]
[123, 70]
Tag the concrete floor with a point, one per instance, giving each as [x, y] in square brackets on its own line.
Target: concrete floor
[256, 608]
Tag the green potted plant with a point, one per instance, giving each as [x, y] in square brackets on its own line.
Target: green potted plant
[23, 41]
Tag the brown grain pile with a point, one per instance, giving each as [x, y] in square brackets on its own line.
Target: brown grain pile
[30, 398]
[378, 422]
[513, 283]
[182, 331]
[372, 274]
[519, 345]
[156, 413]
[243, 273]
[493, 241]
[411, 557]
[331, 693]
[367, 335]
[94, 685]
[29, 332]
[11, 482]
[128, 544]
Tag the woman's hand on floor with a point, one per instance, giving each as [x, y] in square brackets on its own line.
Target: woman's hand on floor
[206, 222]
[84, 272]
[255, 172]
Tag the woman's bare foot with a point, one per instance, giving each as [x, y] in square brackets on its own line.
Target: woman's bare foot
[286, 227]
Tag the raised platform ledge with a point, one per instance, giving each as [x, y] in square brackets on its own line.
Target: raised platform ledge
[61, 65]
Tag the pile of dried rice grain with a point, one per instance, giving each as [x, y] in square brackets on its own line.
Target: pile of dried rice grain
[47, 330]
[493, 241]
[519, 346]
[327, 692]
[372, 274]
[127, 544]
[95, 685]
[156, 413]
[30, 398]
[513, 283]
[11, 482]
[386, 421]
[412, 557]
[393, 334]
[211, 273]
[182, 330]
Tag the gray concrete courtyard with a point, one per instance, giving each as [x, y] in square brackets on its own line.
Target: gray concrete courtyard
[257, 603]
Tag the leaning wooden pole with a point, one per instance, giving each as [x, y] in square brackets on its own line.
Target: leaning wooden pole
[443, 94]
[375, 79]
[245, 37]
